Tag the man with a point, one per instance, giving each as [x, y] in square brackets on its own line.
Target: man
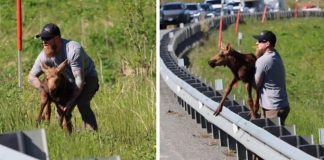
[270, 78]
[80, 71]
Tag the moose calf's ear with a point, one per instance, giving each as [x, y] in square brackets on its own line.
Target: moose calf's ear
[44, 67]
[61, 67]
[228, 46]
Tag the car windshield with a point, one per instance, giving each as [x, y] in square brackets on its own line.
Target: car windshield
[236, 3]
[172, 7]
[205, 7]
[215, 2]
[192, 7]
[249, 4]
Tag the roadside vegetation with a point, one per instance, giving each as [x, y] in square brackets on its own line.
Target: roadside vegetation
[300, 43]
[120, 38]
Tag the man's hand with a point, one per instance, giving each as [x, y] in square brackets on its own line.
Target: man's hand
[41, 89]
[71, 103]
[35, 82]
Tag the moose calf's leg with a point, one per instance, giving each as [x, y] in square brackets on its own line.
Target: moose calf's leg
[248, 87]
[46, 115]
[39, 118]
[67, 124]
[44, 102]
[227, 91]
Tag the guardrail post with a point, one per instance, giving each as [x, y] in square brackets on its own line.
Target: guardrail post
[250, 155]
[215, 131]
[170, 48]
[209, 127]
[181, 25]
[280, 130]
[32, 143]
[231, 142]
[321, 136]
[297, 140]
[218, 84]
[203, 122]
[188, 109]
[240, 151]
[179, 101]
[223, 138]
[198, 120]
[181, 62]
[171, 34]
[193, 113]
[314, 150]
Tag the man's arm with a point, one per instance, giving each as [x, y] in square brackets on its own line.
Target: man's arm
[79, 83]
[75, 57]
[34, 73]
[258, 83]
[34, 81]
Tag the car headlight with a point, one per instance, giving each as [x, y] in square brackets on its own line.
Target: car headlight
[196, 14]
[210, 15]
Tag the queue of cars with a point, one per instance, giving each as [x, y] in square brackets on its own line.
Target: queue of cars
[175, 13]
[179, 12]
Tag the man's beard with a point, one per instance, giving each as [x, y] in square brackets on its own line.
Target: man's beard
[259, 52]
[50, 51]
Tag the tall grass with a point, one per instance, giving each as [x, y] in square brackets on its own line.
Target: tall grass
[300, 43]
[124, 105]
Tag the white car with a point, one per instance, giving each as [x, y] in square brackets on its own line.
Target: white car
[215, 4]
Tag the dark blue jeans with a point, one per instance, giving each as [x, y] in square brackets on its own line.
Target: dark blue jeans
[83, 102]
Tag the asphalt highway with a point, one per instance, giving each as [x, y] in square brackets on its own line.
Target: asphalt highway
[181, 138]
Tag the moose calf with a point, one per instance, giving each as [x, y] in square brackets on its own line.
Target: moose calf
[243, 68]
[57, 89]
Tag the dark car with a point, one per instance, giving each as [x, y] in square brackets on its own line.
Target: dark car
[196, 12]
[174, 13]
[162, 25]
[210, 12]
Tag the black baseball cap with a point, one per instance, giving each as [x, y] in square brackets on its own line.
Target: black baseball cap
[265, 36]
[50, 30]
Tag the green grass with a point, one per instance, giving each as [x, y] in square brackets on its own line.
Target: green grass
[300, 44]
[116, 39]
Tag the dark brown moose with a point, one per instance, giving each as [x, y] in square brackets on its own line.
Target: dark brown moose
[243, 68]
[56, 89]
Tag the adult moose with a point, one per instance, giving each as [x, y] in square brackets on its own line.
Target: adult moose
[242, 67]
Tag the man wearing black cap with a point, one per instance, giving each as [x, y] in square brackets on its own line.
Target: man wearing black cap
[80, 70]
[270, 78]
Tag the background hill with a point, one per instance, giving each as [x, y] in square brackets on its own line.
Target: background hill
[120, 38]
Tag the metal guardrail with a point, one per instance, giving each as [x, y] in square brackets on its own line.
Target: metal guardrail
[263, 138]
[24, 145]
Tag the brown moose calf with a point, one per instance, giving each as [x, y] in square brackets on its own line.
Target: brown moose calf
[243, 68]
[57, 89]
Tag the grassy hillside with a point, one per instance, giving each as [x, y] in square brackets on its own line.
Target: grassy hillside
[301, 48]
[120, 38]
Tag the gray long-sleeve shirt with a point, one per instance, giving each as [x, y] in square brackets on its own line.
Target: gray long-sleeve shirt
[273, 94]
[77, 60]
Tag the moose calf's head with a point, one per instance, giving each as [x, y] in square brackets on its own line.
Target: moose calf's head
[221, 58]
[52, 76]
